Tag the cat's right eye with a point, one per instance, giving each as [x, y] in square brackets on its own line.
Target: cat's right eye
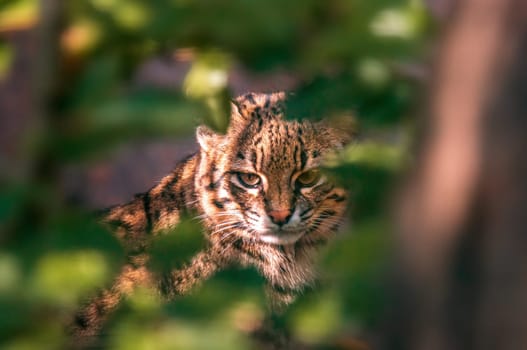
[249, 180]
[308, 178]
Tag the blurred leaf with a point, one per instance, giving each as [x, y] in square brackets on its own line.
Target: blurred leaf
[176, 247]
[374, 103]
[131, 15]
[74, 231]
[139, 114]
[361, 165]
[81, 37]
[18, 14]
[10, 273]
[176, 335]
[15, 315]
[384, 156]
[207, 81]
[6, 59]
[318, 319]
[12, 199]
[397, 22]
[217, 295]
[373, 72]
[48, 336]
[358, 263]
[61, 278]
[208, 75]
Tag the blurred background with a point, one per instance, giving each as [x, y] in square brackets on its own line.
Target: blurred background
[99, 99]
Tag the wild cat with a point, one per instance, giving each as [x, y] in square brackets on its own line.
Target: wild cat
[260, 195]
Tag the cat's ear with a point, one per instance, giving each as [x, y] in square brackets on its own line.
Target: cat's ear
[238, 114]
[245, 107]
[339, 132]
[207, 139]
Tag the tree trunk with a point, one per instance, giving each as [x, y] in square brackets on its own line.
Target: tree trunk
[462, 273]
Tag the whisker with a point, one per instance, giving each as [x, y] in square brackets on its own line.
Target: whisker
[225, 228]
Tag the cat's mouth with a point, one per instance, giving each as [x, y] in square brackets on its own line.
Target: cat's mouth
[280, 237]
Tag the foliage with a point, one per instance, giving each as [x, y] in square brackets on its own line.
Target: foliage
[347, 57]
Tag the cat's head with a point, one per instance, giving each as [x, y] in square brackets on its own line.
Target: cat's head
[261, 180]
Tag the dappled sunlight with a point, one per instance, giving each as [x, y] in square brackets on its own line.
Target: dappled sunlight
[376, 154]
[208, 74]
[373, 72]
[177, 335]
[247, 316]
[320, 321]
[10, 273]
[19, 14]
[81, 37]
[207, 81]
[130, 15]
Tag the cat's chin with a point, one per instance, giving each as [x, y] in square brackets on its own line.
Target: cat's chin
[280, 238]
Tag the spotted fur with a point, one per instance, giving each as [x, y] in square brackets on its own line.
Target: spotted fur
[250, 189]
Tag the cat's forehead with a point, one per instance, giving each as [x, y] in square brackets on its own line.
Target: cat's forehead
[277, 145]
[261, 138]
[260, 118]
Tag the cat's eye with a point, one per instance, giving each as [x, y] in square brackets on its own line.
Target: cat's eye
[249, 180]
[308, 178]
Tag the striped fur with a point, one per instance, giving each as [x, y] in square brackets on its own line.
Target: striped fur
[275, 224]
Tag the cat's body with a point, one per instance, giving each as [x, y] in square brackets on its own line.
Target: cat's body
[259, 195]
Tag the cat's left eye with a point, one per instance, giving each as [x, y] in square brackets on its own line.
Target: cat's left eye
[249, 180]
[308, 178]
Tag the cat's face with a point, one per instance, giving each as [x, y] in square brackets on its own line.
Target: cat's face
[263, 180]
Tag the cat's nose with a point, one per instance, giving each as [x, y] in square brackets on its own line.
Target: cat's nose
[280, 217]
